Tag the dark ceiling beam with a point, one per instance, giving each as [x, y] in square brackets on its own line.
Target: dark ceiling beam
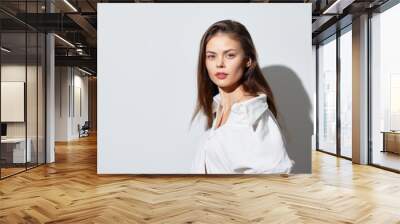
[49, 22]
[11, 25]
[330, 30]
[88, 63]
[336, 16]
[200, 1]
[321, 22]
[86, 51]
[15, 18]
[91, 5]
[381, 6]
[85, 61]
[329, 13]
[86, 26]
[52, 22]
[80, 20]
[338, 10]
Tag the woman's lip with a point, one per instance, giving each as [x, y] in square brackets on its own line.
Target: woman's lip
[221, 75]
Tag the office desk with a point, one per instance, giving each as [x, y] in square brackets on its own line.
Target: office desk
[391, 141]
[13, 150]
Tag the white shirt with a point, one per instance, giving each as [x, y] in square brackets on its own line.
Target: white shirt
[249, 142]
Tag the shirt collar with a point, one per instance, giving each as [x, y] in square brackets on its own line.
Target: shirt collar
[216, 102]
[253, 107]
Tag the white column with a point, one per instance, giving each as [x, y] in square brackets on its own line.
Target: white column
[50, 92]
[360, 90]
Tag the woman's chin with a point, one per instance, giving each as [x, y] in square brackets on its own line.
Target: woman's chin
[226, 85]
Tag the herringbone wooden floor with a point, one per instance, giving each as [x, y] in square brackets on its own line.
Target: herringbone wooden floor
[70, 191]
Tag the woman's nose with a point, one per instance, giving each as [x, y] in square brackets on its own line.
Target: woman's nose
[220, 62]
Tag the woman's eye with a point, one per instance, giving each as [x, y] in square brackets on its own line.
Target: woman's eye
[210, 56]
[231, 55]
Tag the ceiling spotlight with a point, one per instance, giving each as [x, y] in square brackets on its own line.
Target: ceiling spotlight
[337, 7]
[5, 50]
[70, 5]
[84, 71]
[64, 40]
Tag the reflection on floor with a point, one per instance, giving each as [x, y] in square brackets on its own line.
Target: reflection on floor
[10, 169]
[346, 151]
[386, 159]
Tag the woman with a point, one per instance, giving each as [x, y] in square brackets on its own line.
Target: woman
[243, 135]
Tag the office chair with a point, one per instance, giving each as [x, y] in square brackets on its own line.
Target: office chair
[84, 130]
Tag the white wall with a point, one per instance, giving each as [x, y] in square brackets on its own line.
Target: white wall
[61, 103]
[68, 81]
[147, 58]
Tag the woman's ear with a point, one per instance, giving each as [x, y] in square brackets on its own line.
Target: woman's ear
[248, 63]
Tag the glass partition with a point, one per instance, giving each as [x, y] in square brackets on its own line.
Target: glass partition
[327, 96]
[13, 110]
[32, 95]
[22, 77]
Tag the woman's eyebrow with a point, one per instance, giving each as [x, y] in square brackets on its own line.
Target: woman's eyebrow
[223, 52]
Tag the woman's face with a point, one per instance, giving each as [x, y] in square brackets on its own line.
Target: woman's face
[225, 60]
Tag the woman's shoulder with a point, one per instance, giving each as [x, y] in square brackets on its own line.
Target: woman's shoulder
[253, 107]
[248, 97]
[253, 98]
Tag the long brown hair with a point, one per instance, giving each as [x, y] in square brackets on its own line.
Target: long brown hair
[253, 81]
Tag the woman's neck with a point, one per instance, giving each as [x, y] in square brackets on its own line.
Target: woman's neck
[231, 96]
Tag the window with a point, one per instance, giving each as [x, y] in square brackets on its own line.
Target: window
[385, 89]
[346, 75]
